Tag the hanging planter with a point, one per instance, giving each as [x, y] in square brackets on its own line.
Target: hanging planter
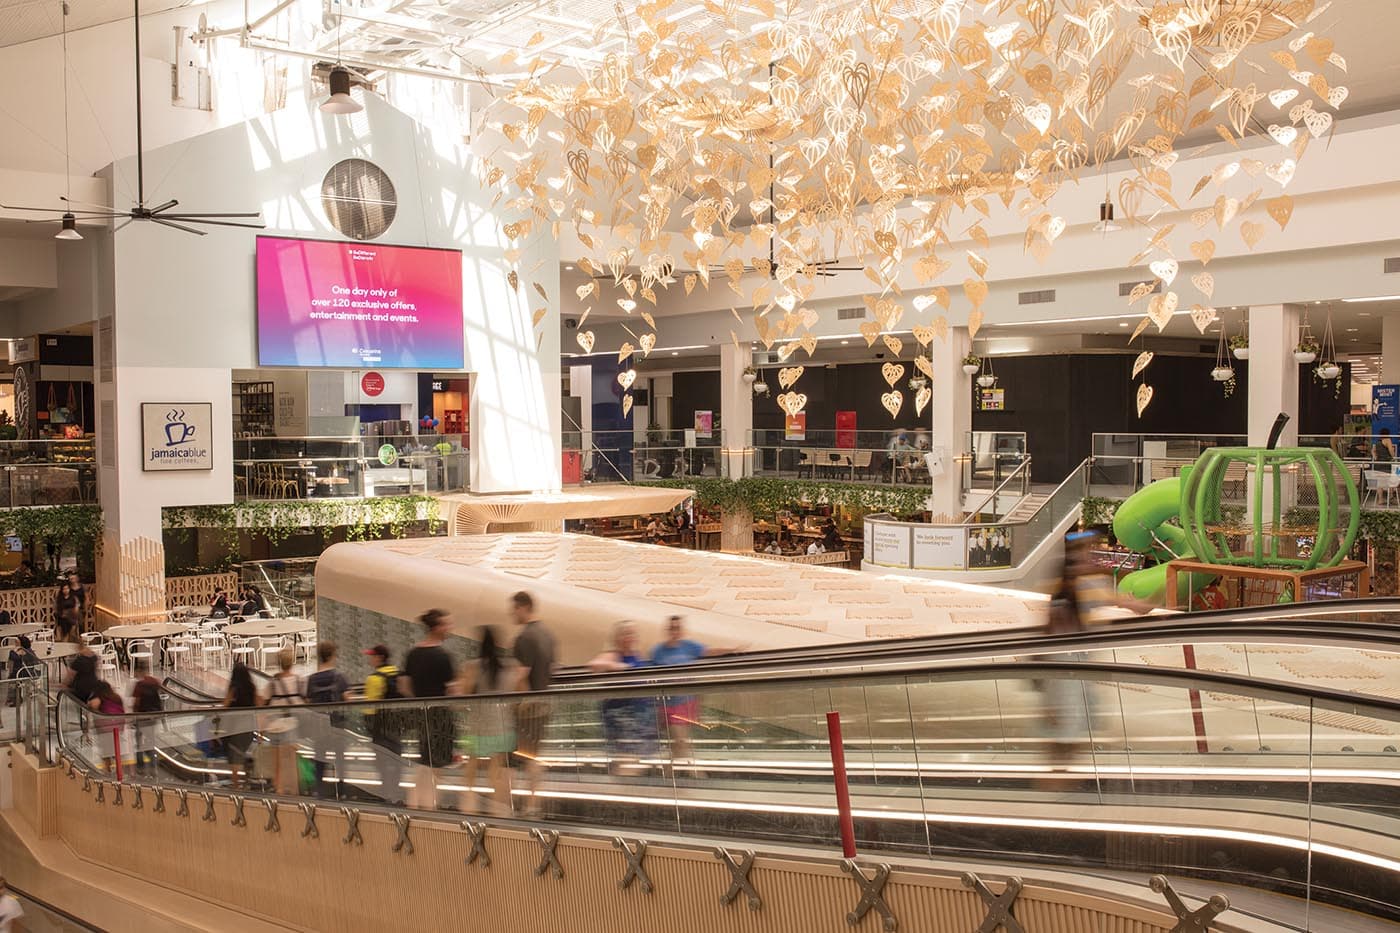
[750, 375]
[1305, 351]
[971, 363]
[1222, 373]
[1328, 370]
[1239, 346]
[986, 380]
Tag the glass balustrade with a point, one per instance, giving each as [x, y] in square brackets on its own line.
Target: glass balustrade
[47, 472]
[330, 467]
[1054, 761]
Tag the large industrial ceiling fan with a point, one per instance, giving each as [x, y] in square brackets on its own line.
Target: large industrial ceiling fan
[161, 213]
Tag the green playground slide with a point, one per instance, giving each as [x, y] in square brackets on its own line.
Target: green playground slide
[1143, 514]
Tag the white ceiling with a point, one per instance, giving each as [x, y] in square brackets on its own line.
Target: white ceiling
[26, 20]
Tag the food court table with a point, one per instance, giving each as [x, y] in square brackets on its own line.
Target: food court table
[55, 652]
[14, 631]
[148, 630]
[270, 627]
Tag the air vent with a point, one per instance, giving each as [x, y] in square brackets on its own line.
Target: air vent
[1126, 288]
[1044, 296]
[850, 314]
[1392, 265]
[359, 199]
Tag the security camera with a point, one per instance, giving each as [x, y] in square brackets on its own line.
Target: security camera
[571, 322]
[879, 356]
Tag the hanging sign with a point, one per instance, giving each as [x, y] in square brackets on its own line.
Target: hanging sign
[177, 436]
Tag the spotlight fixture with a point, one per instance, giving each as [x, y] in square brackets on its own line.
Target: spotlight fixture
[1106, 224]
[340, 100]
[70, 229]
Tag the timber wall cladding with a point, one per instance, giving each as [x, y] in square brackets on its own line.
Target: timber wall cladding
[198, 590]
[325, 884]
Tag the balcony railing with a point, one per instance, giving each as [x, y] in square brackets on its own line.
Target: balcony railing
[47, 472]
[329, 467]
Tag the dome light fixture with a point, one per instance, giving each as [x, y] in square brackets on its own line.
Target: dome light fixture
[70, 228]
[340, 100]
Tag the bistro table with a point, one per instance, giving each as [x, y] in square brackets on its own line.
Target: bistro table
[254, 627]
[150, 630]
[14, 631]
[55, 652]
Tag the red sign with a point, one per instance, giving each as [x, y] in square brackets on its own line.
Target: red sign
[372, 384]
[846, 430]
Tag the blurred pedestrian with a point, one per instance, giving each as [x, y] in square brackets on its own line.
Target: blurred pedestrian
[534, 651]
[145, 698]
[682, 712]
[237, 728]
[328, 685]
[492, 737]
[629, 722]
[383, 723]
[429, 673]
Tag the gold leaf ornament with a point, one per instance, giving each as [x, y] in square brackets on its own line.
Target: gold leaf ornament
[792, 402]
[625, 379]
[870, 330]
[1203, 316]
[1164, 269]
[1204, 250]
[624, 351]
[646, 342]
[1144, 398]
[1161, 308]
[893, 402]
[923, 334]
[924, 365]
[1280, 209]
[1252, 233]
[626, 403]
[892, 372]
[896, 346]
[974, 323]
[1204, 283]
[921, 399]
[788, 376]
[1141, 362]
[585, 340]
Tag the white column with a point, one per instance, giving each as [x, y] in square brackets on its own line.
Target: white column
[950, 412]
[1390, 349]
[1273, 388]
[735, 409]
[1273, 373]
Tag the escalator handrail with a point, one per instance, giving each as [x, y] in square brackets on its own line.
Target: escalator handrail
[1257, 688]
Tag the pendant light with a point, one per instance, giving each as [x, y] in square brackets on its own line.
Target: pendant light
[340, 100]
[69, 231]
[1106, 224]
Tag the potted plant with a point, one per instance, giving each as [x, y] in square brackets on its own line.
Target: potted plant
[986, 380]
[1327, 369]
[1306, 350]
[971, 363]
[1222, 373]
[1239, 346]
[750, 375]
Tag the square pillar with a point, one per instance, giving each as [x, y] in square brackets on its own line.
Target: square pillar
[1273, 388]
[736, 411]
[950, 412]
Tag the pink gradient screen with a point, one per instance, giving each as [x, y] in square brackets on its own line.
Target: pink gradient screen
[351, 305]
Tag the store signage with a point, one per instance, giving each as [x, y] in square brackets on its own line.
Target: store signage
[992, 400]
[1385, 409]
[704, 423]
[388, 455]
[795, 426]
[372, 384]
[940, 548]
[177, 436]
[846, 430]
[887, 545]
[438, 385]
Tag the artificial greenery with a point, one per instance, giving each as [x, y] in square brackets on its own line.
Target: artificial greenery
[1381, 528]
[972, 359]
[1307, 345]
[765, 495]
[76, 529]
[1335, 380]
[1099, 510]
[1239, 342]
[280, 519]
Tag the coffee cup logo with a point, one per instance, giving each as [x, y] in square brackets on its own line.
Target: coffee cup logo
[177, 430]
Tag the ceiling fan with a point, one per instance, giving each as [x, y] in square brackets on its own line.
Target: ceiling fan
[161, 213]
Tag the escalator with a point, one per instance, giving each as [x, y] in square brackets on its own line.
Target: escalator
[1006, 749]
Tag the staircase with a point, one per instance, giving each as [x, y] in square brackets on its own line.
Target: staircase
[1024, 509]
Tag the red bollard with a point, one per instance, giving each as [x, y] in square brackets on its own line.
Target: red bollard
[843, 791]
[117, 750]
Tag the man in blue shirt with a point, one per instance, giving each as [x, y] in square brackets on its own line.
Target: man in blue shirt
[682, 712]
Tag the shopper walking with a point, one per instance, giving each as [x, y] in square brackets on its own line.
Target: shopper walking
[145, 698]
[429, 673]
[629, 722]
[281, 730]
[237, 728]
[534, 651]
[328, 685]
[383, 723]
[682, 712]
[492, 737]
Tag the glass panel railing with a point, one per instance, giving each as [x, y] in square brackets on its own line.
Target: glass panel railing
[48, 472]
[1081, 765]
[325, 467]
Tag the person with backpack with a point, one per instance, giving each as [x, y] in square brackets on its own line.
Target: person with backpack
[145, 698]
[383, 725]
[328, 685]
[281, 730]
[492, 737]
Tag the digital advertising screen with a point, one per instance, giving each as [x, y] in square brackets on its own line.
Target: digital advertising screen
[352, 305]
